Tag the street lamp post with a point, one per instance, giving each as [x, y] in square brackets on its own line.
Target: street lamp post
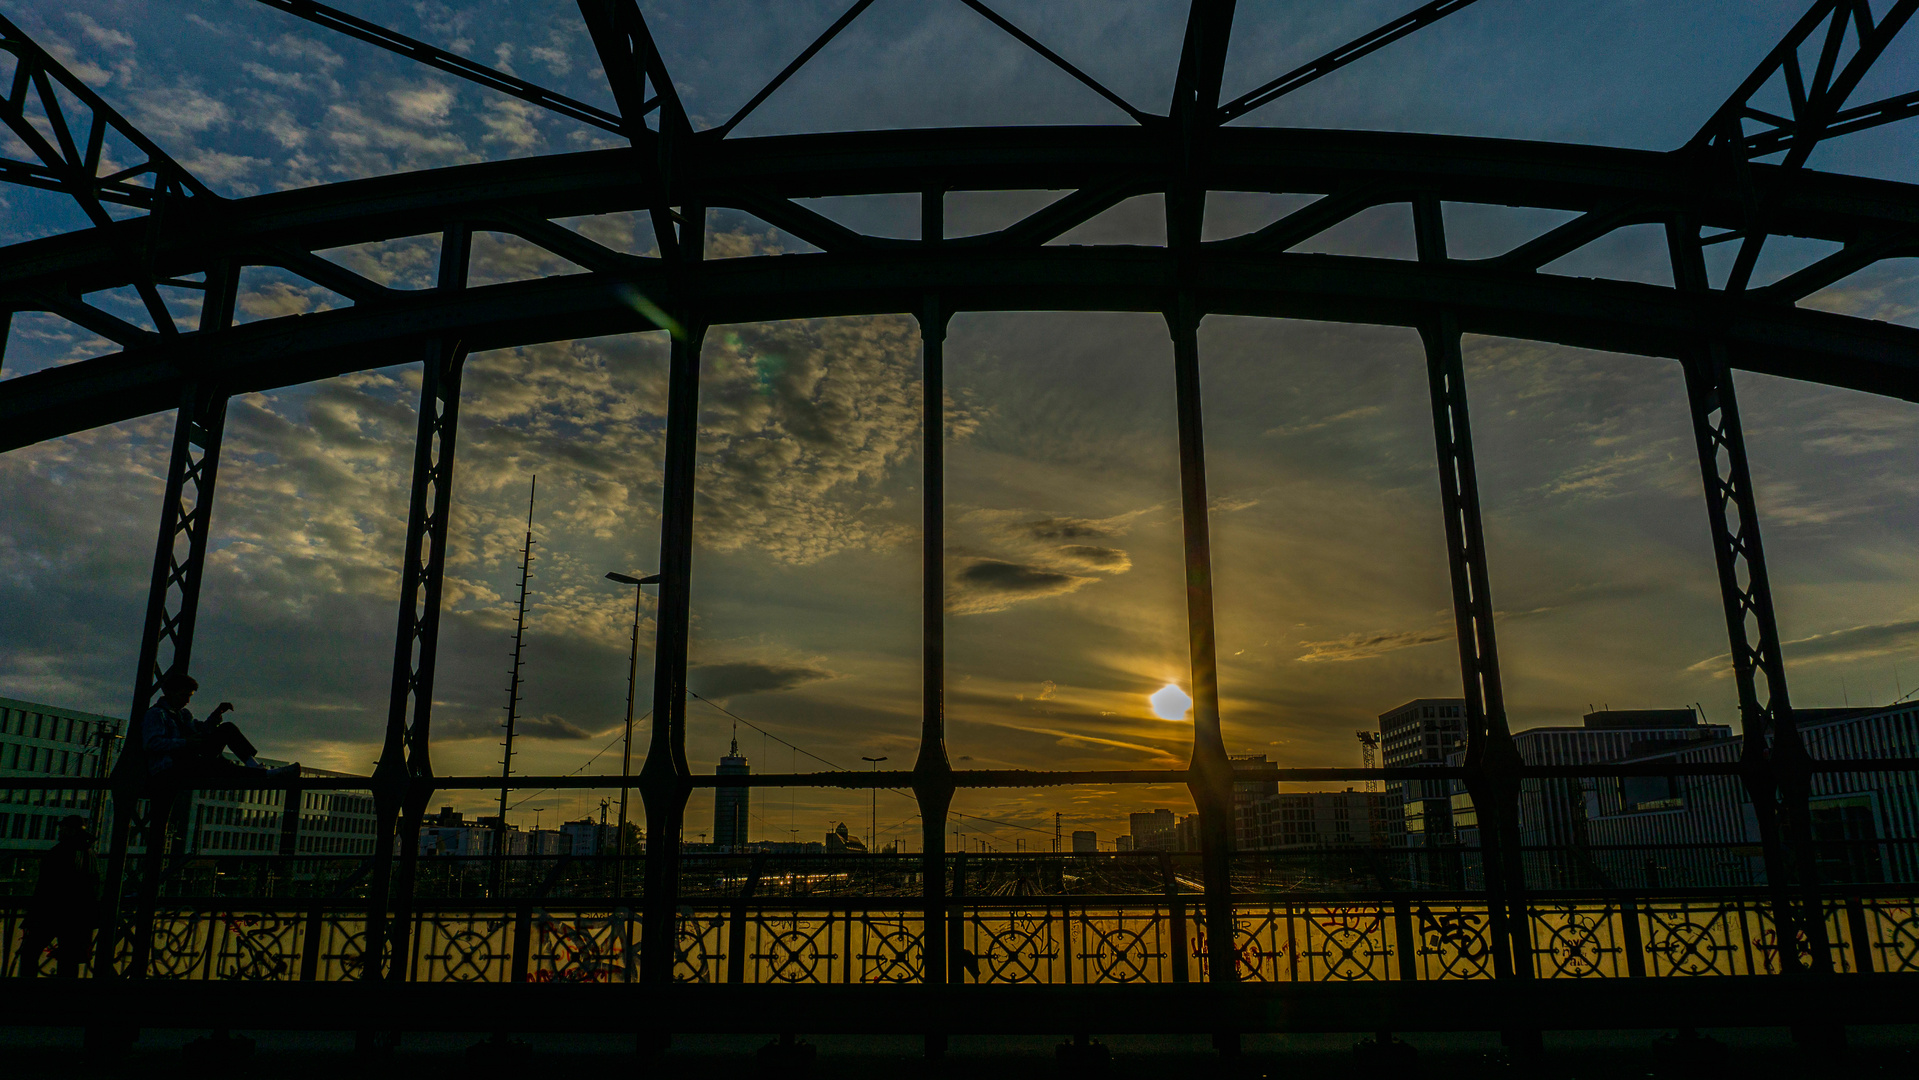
[873, 821]
[626, 752]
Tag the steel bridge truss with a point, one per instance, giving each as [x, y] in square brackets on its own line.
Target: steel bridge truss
[172, 230]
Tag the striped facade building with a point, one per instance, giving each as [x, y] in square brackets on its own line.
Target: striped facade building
[1552, 811]
[1865, 825]
[254, 821]
[41, 740]
[47, 740]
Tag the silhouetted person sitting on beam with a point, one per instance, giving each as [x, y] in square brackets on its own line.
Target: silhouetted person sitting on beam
[66, 904]
[186, 753]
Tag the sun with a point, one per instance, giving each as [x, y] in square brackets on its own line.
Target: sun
[1170, 702]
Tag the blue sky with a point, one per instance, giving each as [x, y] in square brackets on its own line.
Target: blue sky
[1333, 603]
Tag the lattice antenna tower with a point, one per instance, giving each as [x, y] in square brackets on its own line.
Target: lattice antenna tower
[1369, 754]
[519, 643]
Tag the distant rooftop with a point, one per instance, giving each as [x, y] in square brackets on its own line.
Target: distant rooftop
[1619, 719]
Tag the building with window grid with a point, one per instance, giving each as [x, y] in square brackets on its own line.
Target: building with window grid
[37, 739]
[1423, 732]
[1864, 824]
[47, 740]
[252, 821]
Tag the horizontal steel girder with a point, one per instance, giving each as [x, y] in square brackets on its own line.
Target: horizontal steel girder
[1620, 317]
[867, 275]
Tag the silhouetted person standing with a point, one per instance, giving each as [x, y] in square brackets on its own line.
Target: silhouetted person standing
[65, 907]
[186, 753]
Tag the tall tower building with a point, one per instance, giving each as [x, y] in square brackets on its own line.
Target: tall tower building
[729, 803]
[1423, 732]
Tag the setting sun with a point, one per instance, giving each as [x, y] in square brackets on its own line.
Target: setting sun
[1170, 702]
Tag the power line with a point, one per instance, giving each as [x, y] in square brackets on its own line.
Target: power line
[581, 769]
[897, 791]
[767, 733]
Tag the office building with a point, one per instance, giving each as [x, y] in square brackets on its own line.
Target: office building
[47, 740]
[546, 843]
[1248, 797]
[1552, 811]
[1423, 732]
[1187, 834]
[730, 803]
[1155, 830]
[252, 821]
[1085, 842]
[449, 833]
[1320, 819]
[588, 837]
[841, 842]
[1864, 824]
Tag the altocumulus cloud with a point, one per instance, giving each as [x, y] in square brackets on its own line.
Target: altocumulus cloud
[1020, 557]
[550, 726]
[738, 678]
[994, 584]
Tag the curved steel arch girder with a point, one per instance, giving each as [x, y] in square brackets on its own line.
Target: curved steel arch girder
[1006, 270]
[1614, 316]
[1389, 165]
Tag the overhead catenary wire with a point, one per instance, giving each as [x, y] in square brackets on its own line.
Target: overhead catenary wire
[768, 734]
[583, 768]
[841, 768]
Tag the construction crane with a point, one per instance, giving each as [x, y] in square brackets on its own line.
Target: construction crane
[1368, 754]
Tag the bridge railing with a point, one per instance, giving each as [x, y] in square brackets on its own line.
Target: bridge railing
[1053, 940]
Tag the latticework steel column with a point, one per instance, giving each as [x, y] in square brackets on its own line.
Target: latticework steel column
[1776, 766]
[403, 779]
[166, 643]
[166, 638]
[1491, 756]
[664, 777]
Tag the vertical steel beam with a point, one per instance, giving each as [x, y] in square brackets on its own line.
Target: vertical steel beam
[166, 638]
[403, 778]
[1195, 101]
[1491, 756]
[664, 777]
[1777, 770]
[663, 783]
[1211, 780]
[932, 769]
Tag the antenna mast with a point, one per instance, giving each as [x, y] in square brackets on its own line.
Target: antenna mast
[513, 685]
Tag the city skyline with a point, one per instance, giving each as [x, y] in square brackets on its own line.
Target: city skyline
[1066, 609]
